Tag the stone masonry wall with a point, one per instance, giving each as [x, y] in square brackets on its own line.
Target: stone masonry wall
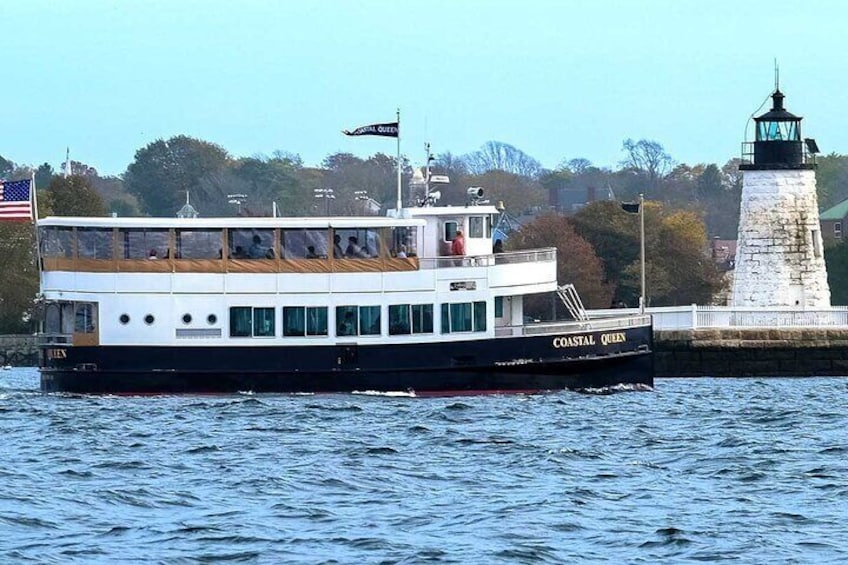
[18, 350]
[779, 257]
[751, 353]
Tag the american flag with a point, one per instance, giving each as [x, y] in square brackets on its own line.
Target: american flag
[15, 200]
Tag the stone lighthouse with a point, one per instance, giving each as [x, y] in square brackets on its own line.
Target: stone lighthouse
[779, 253]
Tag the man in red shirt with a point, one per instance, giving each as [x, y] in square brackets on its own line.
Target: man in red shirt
[458, 245]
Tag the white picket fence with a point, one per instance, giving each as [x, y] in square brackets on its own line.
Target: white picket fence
[697, 317]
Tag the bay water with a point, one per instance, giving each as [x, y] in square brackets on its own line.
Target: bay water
[743, 470]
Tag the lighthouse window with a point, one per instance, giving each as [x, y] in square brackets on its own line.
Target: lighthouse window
[300, 321]
[95, 243]
[778, 131]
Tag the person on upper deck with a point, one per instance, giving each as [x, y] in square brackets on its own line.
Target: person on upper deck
[256, 251]
[353, 249]
[337, 247]
[498, 246]
[458, 244]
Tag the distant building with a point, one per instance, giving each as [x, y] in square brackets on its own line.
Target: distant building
[723, 252]
[833, 220]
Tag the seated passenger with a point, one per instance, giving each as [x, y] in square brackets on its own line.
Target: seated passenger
[310, 252]
[238, 253]
[152, 255]
[256, 251]
[353, 249]
[337, 247]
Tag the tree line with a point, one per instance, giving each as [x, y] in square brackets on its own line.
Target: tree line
[598, 244]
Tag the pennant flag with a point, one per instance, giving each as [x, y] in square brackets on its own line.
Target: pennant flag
[630, 207]
[15, 200]
[385, 130]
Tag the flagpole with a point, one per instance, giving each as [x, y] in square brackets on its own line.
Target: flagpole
[399, 196]
[642, 250]
[34, 197]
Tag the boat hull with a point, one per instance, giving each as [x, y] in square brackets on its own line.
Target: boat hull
[514, 364]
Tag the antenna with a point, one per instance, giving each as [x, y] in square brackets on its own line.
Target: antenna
[776, 75]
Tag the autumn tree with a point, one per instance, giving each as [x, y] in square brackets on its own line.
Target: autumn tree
[577, 262]
[648, 159]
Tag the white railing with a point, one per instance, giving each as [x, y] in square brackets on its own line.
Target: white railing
[532, 256]
[696, 317]
[551, 328]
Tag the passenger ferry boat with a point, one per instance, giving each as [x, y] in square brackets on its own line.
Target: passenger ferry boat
[310, 305]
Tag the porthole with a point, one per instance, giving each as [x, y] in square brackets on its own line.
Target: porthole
[125, 319]
[211, 318]
[149, 319]
[186, 319]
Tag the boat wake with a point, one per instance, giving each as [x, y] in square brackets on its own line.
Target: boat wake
[387, 393]
[614, 389]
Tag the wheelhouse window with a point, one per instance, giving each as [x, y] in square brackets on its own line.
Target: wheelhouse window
[405, 319]
[57, 242]
[404, 242]
[464, 317]
[251, 244]
[353, 320]
[198, 244]
[247, 321]
[304, 244]
[84, 318]
[450, 231]
[477, 227]
[304, 321]
[362, 243]
[95, 243]
[144, 243]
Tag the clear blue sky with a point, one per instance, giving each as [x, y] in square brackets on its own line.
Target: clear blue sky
[557, 79]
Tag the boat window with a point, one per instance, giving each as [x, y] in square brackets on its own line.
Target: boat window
[476, 227]
[404, 242]
[304, 244]
[464, 317]
[410, 318]
[57, 242]
[361, 243]
[422, 318]
[198, 244]
[263, 322]
[369, 320]
[479, 316]
[241, 321]
[490, 223]
[499, 306]
[300, 321]
[251, 244]
[399, 322]
[84, 321]
[346, 320]
[450, 231]
[95, 243]
[364, 320]
[144, 243]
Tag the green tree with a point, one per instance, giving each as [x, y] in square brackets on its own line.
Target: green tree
[43, 175]
[165, 170]
[74, 196]
[18, 278]
[6, 167]
[836, 259]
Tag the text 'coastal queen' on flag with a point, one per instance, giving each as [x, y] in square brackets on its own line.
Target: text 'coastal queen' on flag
[15, 200]
[385, 130]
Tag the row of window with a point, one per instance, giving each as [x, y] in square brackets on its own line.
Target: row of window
[404, 319]
[110, 243]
